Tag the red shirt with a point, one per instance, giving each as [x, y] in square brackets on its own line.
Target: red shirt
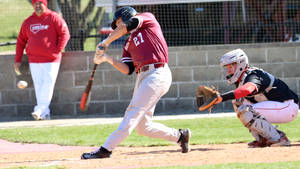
[146, 43]
[44, 37]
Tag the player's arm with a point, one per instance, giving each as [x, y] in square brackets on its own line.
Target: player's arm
[120, 66]
[239, 92]
[122, 30]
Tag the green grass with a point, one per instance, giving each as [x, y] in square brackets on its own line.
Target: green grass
[12, 14]
[204, 131]
[277, 165]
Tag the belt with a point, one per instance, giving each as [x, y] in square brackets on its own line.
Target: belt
[150, 66]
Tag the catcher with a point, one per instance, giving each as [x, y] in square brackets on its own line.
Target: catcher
[259, 99]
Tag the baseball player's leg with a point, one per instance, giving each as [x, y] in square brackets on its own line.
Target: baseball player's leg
[277, 112]
[156, 130]
[148, 90]
[256, 123]
[44, 77]
[50, 71]
[36, 75]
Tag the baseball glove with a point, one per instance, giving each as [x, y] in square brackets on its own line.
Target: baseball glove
[206, 97]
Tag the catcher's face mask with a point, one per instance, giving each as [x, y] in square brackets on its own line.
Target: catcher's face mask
[237, 57]
[229, 70]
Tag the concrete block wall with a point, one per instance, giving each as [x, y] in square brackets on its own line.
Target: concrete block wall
[191, 66]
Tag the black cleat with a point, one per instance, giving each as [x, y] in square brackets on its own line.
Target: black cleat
[99, 153]
[184, 140]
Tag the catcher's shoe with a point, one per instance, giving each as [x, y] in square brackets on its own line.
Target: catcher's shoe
[283, 141]
[184, 140]
[99, 153]
[258, 143]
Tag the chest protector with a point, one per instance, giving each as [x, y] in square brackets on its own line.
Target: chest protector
[261, 95]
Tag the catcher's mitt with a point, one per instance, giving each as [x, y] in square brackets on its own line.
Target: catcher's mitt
[206, 97]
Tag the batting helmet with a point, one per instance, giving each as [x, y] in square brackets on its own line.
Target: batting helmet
[125, 13]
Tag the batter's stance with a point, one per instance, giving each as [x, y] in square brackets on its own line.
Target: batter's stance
[259, 99]
[146, 53]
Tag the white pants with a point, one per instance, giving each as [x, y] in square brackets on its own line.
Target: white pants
[277, 112]
[44, 77]
[150, 86]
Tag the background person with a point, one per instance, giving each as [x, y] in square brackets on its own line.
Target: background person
[44, 34]
[146, 53]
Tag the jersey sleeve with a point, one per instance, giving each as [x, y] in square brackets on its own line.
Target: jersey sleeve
[63, 32]
[257, 80]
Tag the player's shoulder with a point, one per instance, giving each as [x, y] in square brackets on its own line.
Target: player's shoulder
[146, 15]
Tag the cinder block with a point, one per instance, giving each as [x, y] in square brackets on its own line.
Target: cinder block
[82, 78]
[7, 81]
[191, 58]
[172, 93]
[184, 106]
[75, 62]
[181, 74]
[117, 78]
[16, 96]
[188, 90]
[64, 80]
[291, 70]
[8, 113]
[172, 59]
[63, 110]
[283, 54]
[273, 68]
[25, 110]
[256, 55]
[214, 56]
[69, 95]
[114, 109]
[104, 93]
[94, 109]
[126, 92]
[207, 73]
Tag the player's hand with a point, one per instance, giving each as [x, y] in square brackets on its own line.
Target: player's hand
[101, 48]
[219, 100]
[17, 68]
[98, 59]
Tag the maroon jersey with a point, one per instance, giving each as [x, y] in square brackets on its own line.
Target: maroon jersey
[146, 44]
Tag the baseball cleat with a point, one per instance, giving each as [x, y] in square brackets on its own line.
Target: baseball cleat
[283, 141]
[258, 143]
[99, 153]
[38, 116]
[184, 140]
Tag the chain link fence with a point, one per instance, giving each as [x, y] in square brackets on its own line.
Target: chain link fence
[190, 22]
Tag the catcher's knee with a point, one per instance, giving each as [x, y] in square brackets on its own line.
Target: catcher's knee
[246, 114]
[257, 123]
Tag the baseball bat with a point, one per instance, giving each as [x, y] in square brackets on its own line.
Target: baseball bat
[86, 96]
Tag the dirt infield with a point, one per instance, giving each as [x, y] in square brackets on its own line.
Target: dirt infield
[16, 154]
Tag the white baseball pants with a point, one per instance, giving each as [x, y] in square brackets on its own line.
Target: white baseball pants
[150, 86]
[44, 76]
[277, 112]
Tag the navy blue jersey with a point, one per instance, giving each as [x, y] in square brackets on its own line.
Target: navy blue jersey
[278, 91]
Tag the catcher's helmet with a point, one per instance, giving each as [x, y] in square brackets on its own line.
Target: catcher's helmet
[125, 13]
[239, 57]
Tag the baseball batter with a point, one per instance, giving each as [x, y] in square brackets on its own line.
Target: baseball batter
[146, 53]
[259, 99]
